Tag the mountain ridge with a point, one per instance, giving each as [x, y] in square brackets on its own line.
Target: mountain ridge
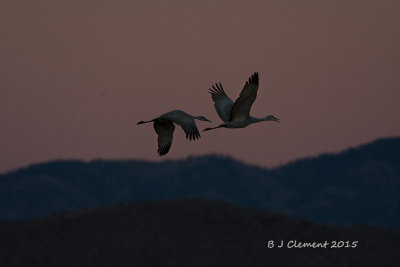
[357, 185]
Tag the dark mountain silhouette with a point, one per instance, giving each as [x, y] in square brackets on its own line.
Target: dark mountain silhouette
[189, 232]
[359, 185]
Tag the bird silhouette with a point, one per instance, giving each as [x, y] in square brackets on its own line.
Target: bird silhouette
[164, 127]
[237, 114]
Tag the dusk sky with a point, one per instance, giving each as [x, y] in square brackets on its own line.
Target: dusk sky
[76, 76]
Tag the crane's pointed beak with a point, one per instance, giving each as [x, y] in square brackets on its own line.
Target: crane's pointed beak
[277, 120]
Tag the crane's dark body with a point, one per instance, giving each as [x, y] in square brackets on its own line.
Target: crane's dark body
[164, 127]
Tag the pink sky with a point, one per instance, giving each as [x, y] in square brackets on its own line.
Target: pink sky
[76, 76]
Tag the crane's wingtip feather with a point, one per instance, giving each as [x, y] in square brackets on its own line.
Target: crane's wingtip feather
[217, 89]
[253, 79]
[163, 149]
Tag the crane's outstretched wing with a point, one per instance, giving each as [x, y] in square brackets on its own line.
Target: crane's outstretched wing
[190, 128]
[185, 121]
[165, 130]
[222, 103]
[241, 107]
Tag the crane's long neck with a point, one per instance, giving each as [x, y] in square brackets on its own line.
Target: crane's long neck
[266, 118]
[255, 120]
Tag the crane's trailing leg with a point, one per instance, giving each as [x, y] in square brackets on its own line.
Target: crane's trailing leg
[141, 122]
[207, 129]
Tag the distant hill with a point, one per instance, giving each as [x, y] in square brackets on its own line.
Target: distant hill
[189, 232]
[359, 185]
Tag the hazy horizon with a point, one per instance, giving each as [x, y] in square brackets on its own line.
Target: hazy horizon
[76, 77]
[272, 167]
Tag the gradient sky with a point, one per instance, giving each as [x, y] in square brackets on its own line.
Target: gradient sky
[76, 76]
